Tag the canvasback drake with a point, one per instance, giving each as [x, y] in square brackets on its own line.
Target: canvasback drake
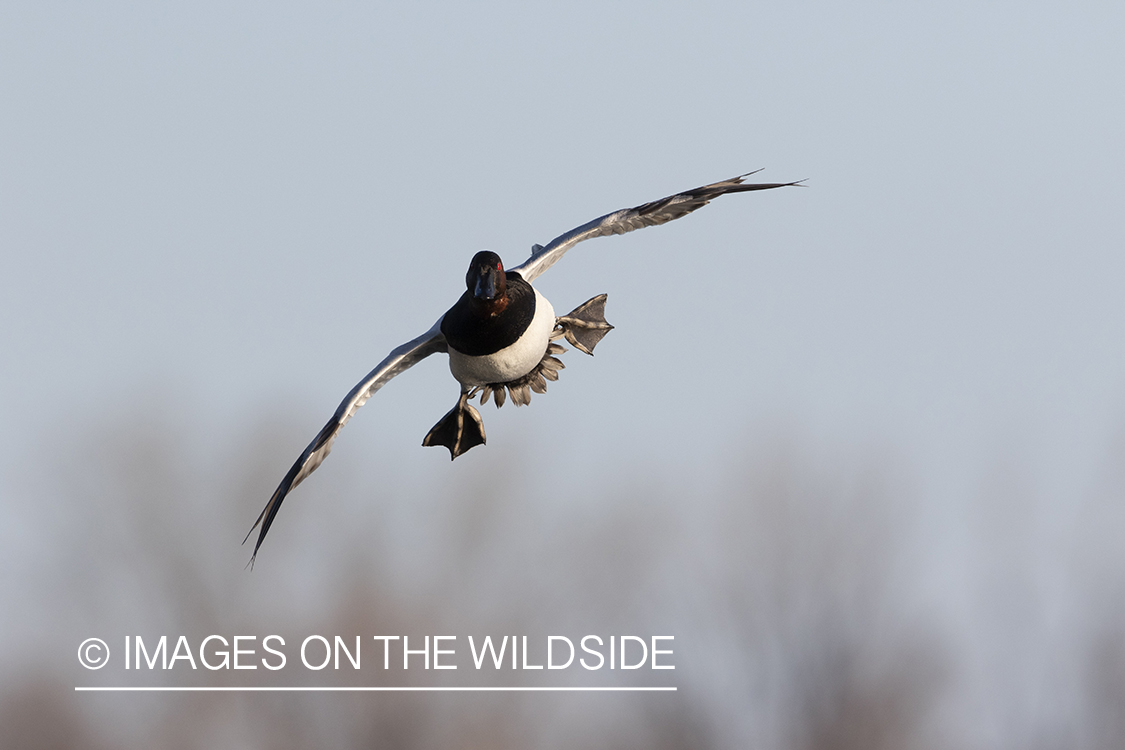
[500, 336]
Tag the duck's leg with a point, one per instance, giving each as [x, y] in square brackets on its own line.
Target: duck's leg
[585, 325]
[459, 430]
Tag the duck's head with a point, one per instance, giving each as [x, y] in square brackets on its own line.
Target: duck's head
[485, 280]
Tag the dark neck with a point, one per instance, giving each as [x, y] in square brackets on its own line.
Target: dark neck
[488, 308]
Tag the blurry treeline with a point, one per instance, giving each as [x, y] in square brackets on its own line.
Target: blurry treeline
[817, 601]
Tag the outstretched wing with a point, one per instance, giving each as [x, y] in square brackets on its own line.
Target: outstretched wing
[628, 219]
[399, 360]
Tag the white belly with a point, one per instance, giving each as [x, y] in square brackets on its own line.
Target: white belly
[512, 361]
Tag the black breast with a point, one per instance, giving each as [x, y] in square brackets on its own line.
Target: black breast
[469, 328]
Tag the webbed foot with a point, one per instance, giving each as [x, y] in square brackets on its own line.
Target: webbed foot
[459, 430]
[585, 325]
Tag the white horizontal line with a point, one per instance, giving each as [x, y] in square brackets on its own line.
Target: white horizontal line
[287, 689]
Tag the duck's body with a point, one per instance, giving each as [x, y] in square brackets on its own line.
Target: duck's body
[499, 336]
[498, 347]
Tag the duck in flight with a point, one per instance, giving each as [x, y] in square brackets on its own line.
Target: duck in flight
[500, 336]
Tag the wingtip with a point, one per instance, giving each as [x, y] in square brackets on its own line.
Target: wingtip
[257, 546]
[742, 177]
[796, 183]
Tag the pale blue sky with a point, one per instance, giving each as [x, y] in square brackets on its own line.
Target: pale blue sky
[253, 204]
[247, 206]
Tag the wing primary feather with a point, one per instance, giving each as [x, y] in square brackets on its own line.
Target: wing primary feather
[399, 360]
[649, 214]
